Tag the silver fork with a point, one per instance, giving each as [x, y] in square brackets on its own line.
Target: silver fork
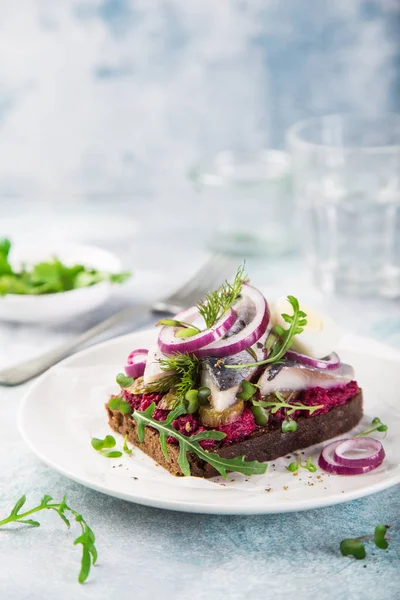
[210, 276]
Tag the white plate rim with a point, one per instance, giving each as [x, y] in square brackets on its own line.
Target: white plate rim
[204, 507]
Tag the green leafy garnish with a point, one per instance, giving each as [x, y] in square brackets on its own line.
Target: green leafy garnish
[123, 380]
[289, 425]
[274, 405]
[191, 444]
[295, 465]
[280, 339]
[377, 425]
[182, 375]
[218, 302]
[355, 546]
[102, 446]
[117, 403]
[248, 391]
[86, 539]
[125, 446]
[49, 277]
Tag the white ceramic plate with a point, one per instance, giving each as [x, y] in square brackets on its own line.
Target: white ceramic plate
[50, 308]
[64, 409]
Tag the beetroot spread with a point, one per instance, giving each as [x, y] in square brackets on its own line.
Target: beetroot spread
[245, 424]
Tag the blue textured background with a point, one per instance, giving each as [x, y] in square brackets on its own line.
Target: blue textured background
[101, 95]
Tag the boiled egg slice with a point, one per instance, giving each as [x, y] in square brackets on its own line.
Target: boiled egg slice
[321, 335]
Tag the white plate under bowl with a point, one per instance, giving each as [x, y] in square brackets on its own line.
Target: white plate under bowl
[64, 409]
[51, 308]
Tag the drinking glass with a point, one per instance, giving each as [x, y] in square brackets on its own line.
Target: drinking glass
[346, 178]
[246, 197]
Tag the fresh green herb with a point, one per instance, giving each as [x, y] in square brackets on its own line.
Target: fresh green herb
[275, 405]
[280, 339]
[125, 446]
[377, 425]
[191, 444]
[186, 332]
[102, 446]
[48, 277]
[175, 323]
[117, 403]
[379, 536]
[86, 539]
[260, 415]
[289, 425]
[218, 302]
[182, 371]
[203, 395]
[123, 380]
[293, 467]
[248, 391]
[192, 398]
[355, 546]
[308, 465]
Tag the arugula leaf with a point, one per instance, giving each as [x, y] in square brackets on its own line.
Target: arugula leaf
[281, 339]
[86, 539]
[191, 444]
[125, 447]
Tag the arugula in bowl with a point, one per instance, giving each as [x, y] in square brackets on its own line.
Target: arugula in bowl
[49, 277]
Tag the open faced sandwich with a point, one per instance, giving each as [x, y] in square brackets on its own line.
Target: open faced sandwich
[235, 382]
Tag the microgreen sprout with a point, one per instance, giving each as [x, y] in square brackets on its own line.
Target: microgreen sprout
[355, 546]
[289, 425]
[125, 446]
[295, 465]
[376, 425]
[123, 380]
[117, 403]
[102, 446]
[86, 539]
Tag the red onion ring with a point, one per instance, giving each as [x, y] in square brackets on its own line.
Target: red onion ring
[250, 334]
[331, 362]
[169, 344]
[136, 363]
[375, 456]
[328, 463]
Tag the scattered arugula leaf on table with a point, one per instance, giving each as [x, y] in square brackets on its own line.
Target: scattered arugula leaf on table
[86, 539]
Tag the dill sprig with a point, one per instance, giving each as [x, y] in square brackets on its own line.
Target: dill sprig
[218, 302]
[182, 371]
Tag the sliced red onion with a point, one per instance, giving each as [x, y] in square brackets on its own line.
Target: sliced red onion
[256, 320]
[328, 463]
[169, 344]
[373, 448]
[136, 363]
[331, 362]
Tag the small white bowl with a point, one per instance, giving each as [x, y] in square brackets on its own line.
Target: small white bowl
[51, 308]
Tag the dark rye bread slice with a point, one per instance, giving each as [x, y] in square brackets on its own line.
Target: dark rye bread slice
[262, 445]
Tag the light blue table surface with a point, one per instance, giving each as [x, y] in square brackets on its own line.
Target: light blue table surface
[147, 553]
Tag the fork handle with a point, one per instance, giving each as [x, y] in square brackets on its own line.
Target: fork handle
[29, 369]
